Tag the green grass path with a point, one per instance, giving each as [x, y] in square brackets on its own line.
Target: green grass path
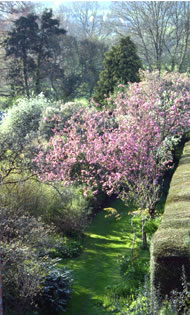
[97, 267]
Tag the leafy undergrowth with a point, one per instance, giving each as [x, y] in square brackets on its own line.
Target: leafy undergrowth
[98, 267]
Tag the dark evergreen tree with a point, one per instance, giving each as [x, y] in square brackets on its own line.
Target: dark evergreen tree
[121, 65]
[48, 49]
[20, 44]
[33, 44]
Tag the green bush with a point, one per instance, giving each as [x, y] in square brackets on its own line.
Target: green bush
[69, 210]
[133, 271]
[65, 207]
[23, 277]
[56, 291]
[24, 116]
[51, 114]
[30, 195]
[25, 243]
[151, 226]
[63, 247]
[29, 281]
[17, 224]
[141, 302]
[137, 303]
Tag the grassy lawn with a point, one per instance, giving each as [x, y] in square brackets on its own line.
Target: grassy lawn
[97, 267]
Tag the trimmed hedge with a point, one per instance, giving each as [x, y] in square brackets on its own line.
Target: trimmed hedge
[170, 248]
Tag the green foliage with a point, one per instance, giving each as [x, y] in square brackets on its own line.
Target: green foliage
[16, 224]
[65, 207]
[64, 247]
[69, 210]
[82, 100]
[56, 291]
[152, 225]
[138, 303]
[133, 270]
[29, 281]
[82, 61]
[143, 303]
[24, 116]
[91, 55]
[33, 46]
[25, 243]
[6, 101]
[23, 276]
[121, 65]
[49, 116]
[18, 130]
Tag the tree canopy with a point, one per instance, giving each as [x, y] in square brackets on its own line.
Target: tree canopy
[34, 45]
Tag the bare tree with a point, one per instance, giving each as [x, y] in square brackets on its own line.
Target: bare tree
[85, 20]
[160, 30]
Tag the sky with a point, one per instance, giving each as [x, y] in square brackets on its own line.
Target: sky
[56, 3]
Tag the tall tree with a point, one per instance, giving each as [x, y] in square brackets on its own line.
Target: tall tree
[21, 43]
[161, 31]
[121, 65]
[48, 46]
[33, 43]
[85, 19]
[10, 12]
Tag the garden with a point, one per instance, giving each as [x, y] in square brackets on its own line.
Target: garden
[84, 180]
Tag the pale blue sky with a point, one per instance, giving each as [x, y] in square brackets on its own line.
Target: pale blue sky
[54, 4]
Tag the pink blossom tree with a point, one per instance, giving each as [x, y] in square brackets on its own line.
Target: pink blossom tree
[125, 149]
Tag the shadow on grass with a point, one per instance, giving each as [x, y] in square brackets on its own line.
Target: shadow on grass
[97, 267]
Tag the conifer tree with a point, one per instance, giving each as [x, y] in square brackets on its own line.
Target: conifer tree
[31, 47]
[121, 65]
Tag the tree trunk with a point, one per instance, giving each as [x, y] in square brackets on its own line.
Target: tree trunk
[26, 77]
[144, 239]
[37, 83]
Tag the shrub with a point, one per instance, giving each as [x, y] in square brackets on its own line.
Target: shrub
[17, 224]
[137, 303]
[141, 302]
[27, 269]
[133, 271]
[56, 291]
[32, 283]
[64, 206]
[23, 277]
[64, 247]
[69, 210]
[49, 117]
[18, 130]
[30, 195]
[24, 116]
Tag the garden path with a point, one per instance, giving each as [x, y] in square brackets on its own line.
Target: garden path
[97, 267]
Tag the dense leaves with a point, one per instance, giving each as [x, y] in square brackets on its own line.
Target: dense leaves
[121, 65]
[29, 274]
[34, 46]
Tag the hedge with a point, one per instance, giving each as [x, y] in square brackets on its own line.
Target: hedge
[170, 248]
